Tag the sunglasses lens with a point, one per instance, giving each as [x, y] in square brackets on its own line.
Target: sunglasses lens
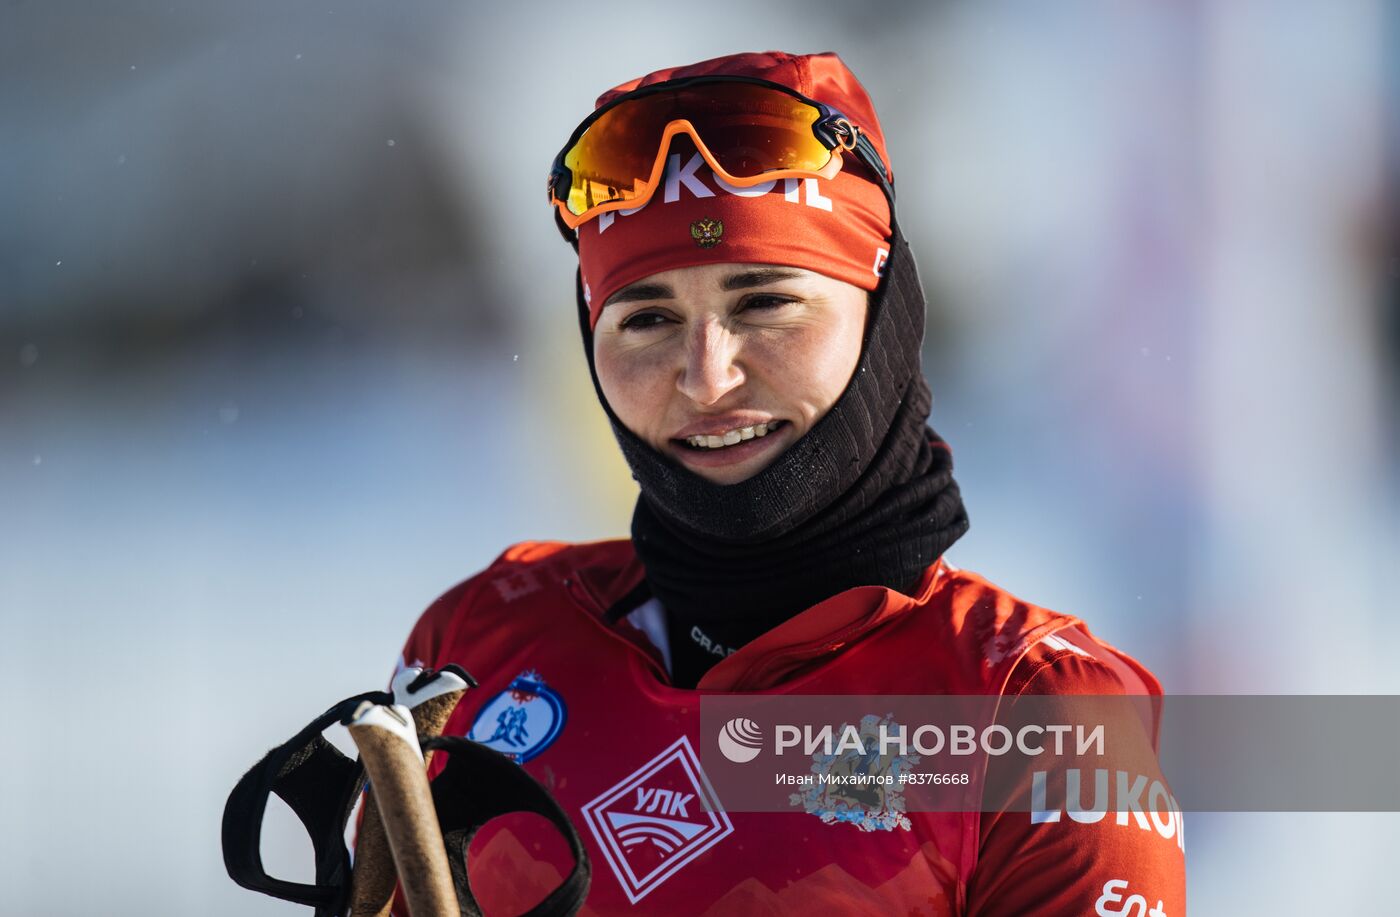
[749, 129]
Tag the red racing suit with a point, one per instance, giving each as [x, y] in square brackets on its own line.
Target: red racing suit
[587, 707]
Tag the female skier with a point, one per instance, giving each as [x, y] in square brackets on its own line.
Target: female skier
[752, 319]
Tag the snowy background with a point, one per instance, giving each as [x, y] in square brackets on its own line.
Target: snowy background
[287, 348]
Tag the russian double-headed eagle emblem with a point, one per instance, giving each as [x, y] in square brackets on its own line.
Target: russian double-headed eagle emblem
[707, 232]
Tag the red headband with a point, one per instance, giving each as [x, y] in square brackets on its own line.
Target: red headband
[838, 228]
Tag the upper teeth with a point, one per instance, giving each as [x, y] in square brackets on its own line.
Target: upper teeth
[730, 437]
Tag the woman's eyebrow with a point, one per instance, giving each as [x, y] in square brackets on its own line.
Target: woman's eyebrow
[757, 278]
[642, 291]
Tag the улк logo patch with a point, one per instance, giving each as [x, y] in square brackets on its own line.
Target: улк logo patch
[521, 721]
[658, 819]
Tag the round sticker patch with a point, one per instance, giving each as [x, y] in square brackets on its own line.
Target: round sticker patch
[521, 721]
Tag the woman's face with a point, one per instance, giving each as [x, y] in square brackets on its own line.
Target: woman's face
[723, 366]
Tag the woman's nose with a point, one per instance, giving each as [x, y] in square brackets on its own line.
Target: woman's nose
[711, 368]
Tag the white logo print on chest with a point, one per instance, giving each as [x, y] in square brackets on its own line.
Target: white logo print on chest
[795, 190]
[658, 819]
[662, 802]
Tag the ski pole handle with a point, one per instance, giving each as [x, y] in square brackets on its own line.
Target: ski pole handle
[389, 750]
[432, 696]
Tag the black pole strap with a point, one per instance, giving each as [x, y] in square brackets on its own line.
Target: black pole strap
[320, 784]
[479, 784]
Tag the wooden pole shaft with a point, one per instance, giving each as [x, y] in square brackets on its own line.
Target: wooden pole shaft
[388, 744]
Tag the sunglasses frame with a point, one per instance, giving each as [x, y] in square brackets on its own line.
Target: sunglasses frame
[832, 128]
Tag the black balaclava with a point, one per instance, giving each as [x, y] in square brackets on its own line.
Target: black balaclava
[865, 497]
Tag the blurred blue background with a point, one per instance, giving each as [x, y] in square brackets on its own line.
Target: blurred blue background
[287, 348]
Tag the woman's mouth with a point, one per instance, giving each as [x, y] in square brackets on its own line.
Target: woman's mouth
[732, 437]
[737, 447]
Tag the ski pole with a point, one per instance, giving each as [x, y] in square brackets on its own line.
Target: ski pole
[432, 696]
[389, 750]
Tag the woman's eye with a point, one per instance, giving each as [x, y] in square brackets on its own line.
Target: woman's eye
[642, 320]
[762, 301]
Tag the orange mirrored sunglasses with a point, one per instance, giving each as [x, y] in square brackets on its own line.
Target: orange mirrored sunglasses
[749, 131]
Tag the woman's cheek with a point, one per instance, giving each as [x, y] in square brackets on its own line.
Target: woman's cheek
[840, 353]
[633, 381]
[804, 370]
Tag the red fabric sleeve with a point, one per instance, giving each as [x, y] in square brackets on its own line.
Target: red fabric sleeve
[1127, 861]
